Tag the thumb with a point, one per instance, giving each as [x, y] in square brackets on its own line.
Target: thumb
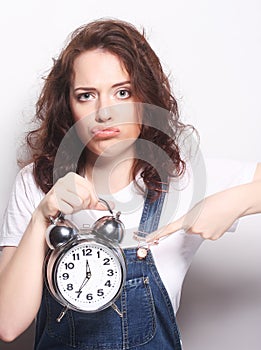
[104, 205]
[165, 231]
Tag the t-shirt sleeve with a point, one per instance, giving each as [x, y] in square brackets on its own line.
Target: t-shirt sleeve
[222, 174]
[24, 198]
[226, 173]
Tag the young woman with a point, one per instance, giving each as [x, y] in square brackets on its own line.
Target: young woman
[109, 127]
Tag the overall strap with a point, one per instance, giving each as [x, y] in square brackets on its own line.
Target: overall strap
[151, 212]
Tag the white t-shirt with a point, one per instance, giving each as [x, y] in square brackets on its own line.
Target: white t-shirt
[172, 255]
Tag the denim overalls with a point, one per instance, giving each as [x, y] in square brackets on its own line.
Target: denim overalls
[147, 320]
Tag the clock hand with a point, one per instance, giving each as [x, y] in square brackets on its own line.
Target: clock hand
[88, 270]
[81, 287]
[86, 279]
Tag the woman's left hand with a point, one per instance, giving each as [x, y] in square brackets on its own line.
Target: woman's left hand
[210, 218]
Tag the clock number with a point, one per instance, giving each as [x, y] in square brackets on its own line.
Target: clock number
[106, 261]
[79, 292]
[69, 266]
[76, 256]
[100, 292]
[110, 273]
[108, 283]
[87, 252]
[65, 276]
[89, 296]
[69, 286]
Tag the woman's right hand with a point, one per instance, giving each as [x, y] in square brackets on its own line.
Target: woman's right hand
[70, 194]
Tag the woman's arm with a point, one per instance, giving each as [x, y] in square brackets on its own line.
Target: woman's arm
[21, 279]
[214, 215]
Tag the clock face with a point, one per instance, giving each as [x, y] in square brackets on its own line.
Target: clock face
[88, 276]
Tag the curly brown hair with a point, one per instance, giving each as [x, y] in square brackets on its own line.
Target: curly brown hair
[150, 86]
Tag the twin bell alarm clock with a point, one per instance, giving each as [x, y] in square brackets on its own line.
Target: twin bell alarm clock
[85, 270]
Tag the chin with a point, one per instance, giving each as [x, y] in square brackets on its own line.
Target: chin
[114, 149]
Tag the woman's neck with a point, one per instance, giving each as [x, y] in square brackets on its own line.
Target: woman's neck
[109, 175]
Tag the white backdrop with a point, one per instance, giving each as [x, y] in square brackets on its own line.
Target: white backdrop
[213, 51]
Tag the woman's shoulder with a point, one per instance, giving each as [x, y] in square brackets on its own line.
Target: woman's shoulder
[26, 174]
[27, 170]
[25, 181]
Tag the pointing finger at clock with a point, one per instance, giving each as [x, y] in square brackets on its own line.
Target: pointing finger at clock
[187, 222]
[165, 231]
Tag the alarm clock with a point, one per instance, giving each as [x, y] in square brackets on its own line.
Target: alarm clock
[85, 270]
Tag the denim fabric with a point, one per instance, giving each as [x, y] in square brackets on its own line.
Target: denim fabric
[148, 320]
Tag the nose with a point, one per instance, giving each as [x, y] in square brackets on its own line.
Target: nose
[103, 113]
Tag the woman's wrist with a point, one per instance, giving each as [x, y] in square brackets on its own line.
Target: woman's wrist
[39, 218]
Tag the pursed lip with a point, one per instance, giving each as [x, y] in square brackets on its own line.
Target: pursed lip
[105, 131]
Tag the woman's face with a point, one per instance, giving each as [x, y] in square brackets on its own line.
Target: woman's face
[102, 104]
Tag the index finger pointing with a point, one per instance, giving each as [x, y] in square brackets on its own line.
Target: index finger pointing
[164, 231]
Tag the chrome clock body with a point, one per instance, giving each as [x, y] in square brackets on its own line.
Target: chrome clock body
[86, 275]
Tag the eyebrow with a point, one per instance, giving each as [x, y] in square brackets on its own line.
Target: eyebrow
[113, 86]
